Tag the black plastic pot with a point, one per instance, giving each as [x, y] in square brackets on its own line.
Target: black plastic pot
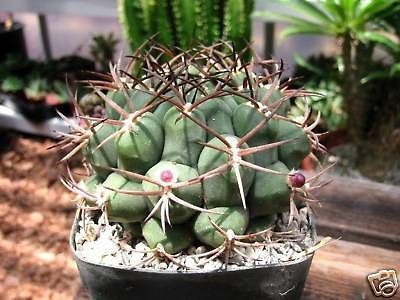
[283, 281]
[38, 111]
[12, 41]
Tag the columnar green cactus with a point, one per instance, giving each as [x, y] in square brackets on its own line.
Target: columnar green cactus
[197, 150]
[185, 23]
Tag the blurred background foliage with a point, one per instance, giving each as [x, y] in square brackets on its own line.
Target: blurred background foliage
[359, 85]
[184, 24]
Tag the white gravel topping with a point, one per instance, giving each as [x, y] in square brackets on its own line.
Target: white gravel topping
[109, 244]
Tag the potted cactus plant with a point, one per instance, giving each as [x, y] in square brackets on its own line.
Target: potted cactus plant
[192, 182]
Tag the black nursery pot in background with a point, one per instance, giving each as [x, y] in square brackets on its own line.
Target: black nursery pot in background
[280, 281]
[12, 41]
[39, 111]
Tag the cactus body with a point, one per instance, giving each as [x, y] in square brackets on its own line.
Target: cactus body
[124, 207]
[173, 239]
[195, 144]
[223, 190]
[118, 98]
[134, 229]
[270, 193]
[192, 193]
[294, 152]
[92, 182]
[140, 147]
[275, 96]
[221, 119]
[127, 208]
[104, 156]
[182, 133]
[233, 218]
[245, 118]
[230, 101]
[209, 108]
[260, 224]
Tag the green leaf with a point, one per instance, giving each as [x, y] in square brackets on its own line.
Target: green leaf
[371, 10]
[395, 70]
[349, 8]
[312, 10]
[375, 75]
[308, 66]
[305, 30]
[269, 16]
[355, 7]
[335, 10]
[381, 39]
[12, 84]
[315, 21]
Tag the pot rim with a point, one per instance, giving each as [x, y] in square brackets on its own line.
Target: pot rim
[168, 272]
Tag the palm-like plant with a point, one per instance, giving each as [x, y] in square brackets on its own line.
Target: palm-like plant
[390, 41]
[103, 48]
[337, 18]
[358, 26]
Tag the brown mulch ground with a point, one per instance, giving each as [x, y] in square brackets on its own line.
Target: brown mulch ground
[36, 213]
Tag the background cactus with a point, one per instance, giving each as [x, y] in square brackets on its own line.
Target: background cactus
[196, 150]
[185, 23]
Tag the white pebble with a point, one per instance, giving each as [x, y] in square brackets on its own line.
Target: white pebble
[201, 250]
[191, 250]
[135, 257]
[236, 259]
[163, 266]
[213, 265]
[141, 247]
[250, 252]
[190, 263]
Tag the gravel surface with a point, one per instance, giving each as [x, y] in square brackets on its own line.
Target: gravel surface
[35, 218]
[110, 245]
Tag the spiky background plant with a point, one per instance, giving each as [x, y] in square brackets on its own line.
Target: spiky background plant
[197, 150]
[183, 23]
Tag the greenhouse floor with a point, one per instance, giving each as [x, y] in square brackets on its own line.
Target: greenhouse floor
[35, 217]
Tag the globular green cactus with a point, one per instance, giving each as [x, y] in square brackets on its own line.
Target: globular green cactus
[184, 23]
[198, 150]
